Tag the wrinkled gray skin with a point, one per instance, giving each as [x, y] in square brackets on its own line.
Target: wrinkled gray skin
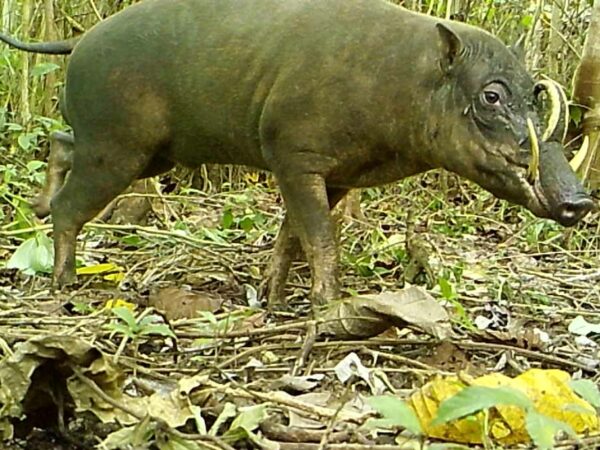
[328, 95]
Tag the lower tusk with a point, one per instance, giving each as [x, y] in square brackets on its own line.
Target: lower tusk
[534, 163]
[579, 157]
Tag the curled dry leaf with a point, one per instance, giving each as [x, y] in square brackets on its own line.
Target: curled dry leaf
[369, 315]
[47, 359]
[351, 366]
[298, 383]
[51, 367]
[581, 327]
[177, 303]
[354, 409]
[517, 333]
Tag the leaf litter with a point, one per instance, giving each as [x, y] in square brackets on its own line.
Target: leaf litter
[199, 368]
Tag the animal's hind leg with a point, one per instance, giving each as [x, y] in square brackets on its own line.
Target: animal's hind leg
[287, 246]
[96, 178]
[59, 163]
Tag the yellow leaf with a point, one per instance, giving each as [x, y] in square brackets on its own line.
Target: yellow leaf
[116, 277]
[425, 404]
[99, 268]
[553, 397]
[120, 303]
[549, 390]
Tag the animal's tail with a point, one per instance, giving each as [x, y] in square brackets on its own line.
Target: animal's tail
[64, 47]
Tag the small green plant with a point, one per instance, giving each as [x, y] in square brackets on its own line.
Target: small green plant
[395, 413]
[448, 292]
[215, 326]
[135, 328]
[541, 230]
[35, 255]
[246, 221]
[82, 307]
[588, 390]
[245, 423]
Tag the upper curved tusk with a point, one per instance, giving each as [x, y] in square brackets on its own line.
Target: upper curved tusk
[580, 155]
[567, 115]
[558, 104]
[534, 162]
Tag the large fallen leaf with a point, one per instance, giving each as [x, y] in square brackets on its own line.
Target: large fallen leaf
[177, 303]
[369, 315]
[547, 390]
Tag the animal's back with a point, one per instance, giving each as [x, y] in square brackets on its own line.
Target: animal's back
[199, 72]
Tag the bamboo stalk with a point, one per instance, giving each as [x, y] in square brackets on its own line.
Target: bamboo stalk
[50, 35]
[25, 112]
[587, 93]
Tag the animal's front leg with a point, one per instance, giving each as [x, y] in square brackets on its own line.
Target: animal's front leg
[307, 204]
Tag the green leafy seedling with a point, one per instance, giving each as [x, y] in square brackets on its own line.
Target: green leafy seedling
[243, 426]
[134, 328]
[476, 398]
[448, 291]
[33, 256]
[542, 429]
[588, 390]
[395, 414]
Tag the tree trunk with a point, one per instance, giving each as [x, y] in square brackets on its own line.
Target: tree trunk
[587, 93]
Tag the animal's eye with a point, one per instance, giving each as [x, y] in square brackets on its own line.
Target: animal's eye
[491, 97]
[494, 94]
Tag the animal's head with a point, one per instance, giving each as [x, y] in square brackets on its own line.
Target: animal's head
[496, 131]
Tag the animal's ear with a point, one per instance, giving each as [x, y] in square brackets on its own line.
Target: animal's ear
[452, 46]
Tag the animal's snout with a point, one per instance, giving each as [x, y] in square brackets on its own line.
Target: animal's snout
[572, 211]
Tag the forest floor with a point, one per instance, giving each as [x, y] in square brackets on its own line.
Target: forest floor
[199, 363]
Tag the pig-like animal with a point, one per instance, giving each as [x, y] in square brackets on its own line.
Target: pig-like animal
[328, 95]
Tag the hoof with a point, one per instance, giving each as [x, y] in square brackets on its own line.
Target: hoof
[322, 295]
[63, 280]
[276, 303]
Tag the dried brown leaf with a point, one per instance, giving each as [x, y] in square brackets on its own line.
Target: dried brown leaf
[177, 303]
